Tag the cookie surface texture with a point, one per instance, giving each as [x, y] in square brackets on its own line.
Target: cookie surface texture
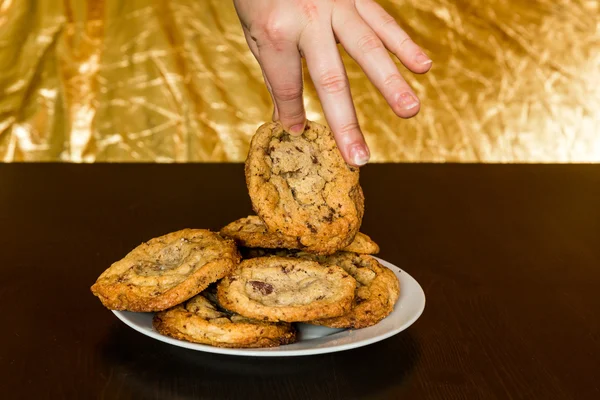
[200, 320]
[166, 271]
[362, 244]
[286, 289]
[301, 186]
[377, 291]
[252, 232]
[377, 288]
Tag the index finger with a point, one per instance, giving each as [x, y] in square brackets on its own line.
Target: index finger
[327, 71]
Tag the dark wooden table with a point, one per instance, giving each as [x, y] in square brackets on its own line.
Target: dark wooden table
[509, 258]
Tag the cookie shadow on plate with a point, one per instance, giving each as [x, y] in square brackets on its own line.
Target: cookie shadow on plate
[153, 369]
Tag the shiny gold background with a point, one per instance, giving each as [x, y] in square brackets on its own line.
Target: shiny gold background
[164, 81]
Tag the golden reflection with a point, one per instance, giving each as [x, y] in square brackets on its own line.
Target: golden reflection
[167, 81]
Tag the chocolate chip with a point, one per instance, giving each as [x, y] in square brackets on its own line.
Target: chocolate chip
[290, 174]
[314, 160]
[299, 149]
[354, 194]
[329, 216]
[321, 297]
[262, 287]
[287, 269]
[311, 227]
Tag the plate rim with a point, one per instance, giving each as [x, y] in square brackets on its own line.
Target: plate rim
[280, 351]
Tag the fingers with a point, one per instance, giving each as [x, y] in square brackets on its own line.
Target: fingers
[282, 66]
[367, 49]
[254, 49]
[275, 116]
[394, 38]
[331, 83]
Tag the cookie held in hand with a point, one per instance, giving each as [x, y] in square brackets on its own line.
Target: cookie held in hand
[300, 186]
[166, 271]
[200, 320]
[286, 289]
[252, 232]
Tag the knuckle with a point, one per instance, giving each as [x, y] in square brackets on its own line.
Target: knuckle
[309, 10]
[369, 43]
[276, 28]
[273, 29]
[333, 82]
[393, 80]
[294, 114]
[404, 41]
[288, 92]
[349, 128]
[387, 20]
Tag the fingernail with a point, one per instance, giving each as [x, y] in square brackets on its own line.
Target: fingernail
[297, 129]
[422, 59]
[407, 101]
[359, 154]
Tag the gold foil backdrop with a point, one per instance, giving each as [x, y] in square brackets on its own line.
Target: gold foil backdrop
[173, 80]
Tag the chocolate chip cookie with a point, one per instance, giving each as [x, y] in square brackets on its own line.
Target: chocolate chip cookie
[287, 289]
[252, 232]
[377, 291]
[362, 244]
[377, 288]
[300, 186]
[166, 271]
[201, 320]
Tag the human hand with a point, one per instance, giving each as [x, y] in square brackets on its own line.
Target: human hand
[280, 32]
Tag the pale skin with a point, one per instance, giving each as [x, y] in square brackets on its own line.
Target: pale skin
[280, 32]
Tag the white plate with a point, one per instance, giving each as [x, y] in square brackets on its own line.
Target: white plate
[312, 339]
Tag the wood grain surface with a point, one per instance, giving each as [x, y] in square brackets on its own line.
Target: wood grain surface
[508, 256]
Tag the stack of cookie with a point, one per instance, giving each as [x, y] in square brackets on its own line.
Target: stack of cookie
[302, 259]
